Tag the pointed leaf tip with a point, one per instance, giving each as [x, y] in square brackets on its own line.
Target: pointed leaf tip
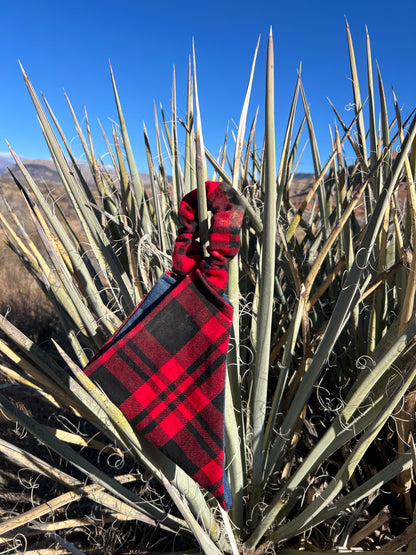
[22, 69]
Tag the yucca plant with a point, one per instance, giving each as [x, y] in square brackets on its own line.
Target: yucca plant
[319, 401]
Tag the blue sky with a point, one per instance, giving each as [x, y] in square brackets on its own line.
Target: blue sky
[68, 45]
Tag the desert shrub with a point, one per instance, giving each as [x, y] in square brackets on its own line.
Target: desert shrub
[319, 400]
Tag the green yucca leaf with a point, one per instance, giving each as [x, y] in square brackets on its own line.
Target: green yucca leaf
[336, 168]
[127, 199]
[242, 124]
[23, 458]
[266, 290]
[59, 244]
[341, 177]
[87, 152]
[25, 249]
[250, 150]
[31, 376]
[23, 379]
[284, 501]
[223, 151]
[386, 248]
[370, 486]
[292, 167]
[302, 522]
[98, 476]
[105, 255]
[409, 278]
[75, 164]
[168, 145]
[218, 167]
[357, 415]
[204, 539]
[384, 116]
[160, 162]
[59, 262]
[107, 192]
[235, 446]
[34, 362]
[136, 183]
[346, 301]
[323, 208]
[128, 216]
[110, 151]
[371, 116]
[177, 177]
[189, 162]
[92, 491]
[356, 94]
[284, 167]
[362, 161]
[222, 155]
[319, 180]
[249, 210]
[303, 293]
[170, 222]
[291, 338]
[292, 163]
[234, 422]
[157, 199]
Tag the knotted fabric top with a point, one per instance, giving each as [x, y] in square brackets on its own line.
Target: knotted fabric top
[223, 236]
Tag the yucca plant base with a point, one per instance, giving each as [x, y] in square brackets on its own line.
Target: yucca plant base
[320, 393]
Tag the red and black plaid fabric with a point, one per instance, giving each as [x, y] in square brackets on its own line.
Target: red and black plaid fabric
[165, 367]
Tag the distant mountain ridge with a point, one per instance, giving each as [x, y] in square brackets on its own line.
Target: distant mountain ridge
[44, 171]
[39, 169]
[5, 162]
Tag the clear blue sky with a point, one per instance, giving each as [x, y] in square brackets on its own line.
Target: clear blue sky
[67, 45]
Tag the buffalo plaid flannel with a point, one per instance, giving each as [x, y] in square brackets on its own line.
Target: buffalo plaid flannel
[165, 367]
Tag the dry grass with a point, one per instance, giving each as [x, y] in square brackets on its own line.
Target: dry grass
[22, 300]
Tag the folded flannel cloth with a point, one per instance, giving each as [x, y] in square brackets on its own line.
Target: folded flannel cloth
[165, 367]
